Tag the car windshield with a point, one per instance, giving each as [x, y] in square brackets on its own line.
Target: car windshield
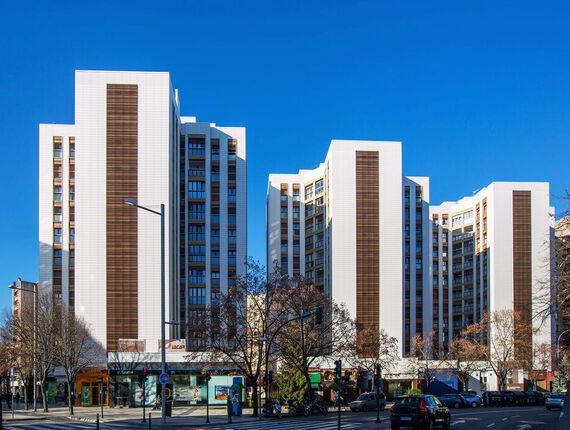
[362, 397]
[407, 400]
[557, 396]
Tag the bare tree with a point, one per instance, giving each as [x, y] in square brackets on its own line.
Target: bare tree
[375, 348]
[17, 342]
[303, 343]
[232, 329]
[76, 350]
[467, 354]
[425, 360]
[535, 359]
[501, 333]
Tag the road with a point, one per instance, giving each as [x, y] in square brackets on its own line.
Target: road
[517, 418]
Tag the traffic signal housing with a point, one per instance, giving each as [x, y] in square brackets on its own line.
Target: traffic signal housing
[271, 377]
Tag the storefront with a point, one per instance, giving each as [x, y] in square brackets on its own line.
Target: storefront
[185, 387]
[92, 388]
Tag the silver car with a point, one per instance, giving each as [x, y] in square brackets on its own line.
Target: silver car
[367, 402]
[555, 400]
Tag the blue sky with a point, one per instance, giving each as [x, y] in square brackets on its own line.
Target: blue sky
[475, 91]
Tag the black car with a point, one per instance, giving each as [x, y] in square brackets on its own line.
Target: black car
[453, 400]
[423, 411]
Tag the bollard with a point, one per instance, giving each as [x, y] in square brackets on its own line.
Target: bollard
[149, 421]
[97, 421]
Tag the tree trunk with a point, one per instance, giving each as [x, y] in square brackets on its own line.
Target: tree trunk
[310, 389]
[44, 398]
[254, 401]
[70, 397]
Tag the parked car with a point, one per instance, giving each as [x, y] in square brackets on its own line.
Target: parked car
[472, 399]
[422, 411]
[453, 400]
[367, 402]
[492, 398]
[519, 398]
[555, 400]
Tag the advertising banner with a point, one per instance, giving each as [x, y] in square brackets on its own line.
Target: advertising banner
[222, 392]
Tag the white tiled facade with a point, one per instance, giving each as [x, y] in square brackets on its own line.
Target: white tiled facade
[162, 165]
[419, 253]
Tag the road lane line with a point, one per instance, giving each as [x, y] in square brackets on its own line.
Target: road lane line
[491, 425]
[505, 419]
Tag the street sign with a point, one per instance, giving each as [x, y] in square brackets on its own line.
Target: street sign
[164, 378]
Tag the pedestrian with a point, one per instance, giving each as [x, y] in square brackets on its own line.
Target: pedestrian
[158, 402]
[336, 399]
[73, 398]
[17, 397]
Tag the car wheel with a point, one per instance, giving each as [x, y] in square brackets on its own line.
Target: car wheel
[456, 405]
[364, 408]
[474, 404]
[447, 424]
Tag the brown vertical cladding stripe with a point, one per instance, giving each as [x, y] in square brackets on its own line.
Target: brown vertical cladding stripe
[367, 247]
[122, 119]
[522, 263]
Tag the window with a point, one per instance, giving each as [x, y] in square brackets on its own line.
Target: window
[231, 195]
[284, 247]
[215, 173]
[197, 253]
[418, 263]
[215, 257]
[232, 215]
[57, 192]
[197, 276]
[197, 233]
[57, 149]
[197, 211]
[71, 149]
[457, 221]
[283, 211]
[57, 235]
[309, 209]
[296, 211]
[319, 187]
[232, 149]
[216, 278]
[215, 298]
[296, 228]
[215, 236]
[57, 171]
[57, 256]
[232, 235]
[196, 146]
[72, 193]
[215, 152]
[309, 192]
[231, 173]
[196, 189]
[232, 257]
[71, 235]
[57, 217]
[197, 296]
[407, 263]
[296, 246]
[419, 247]
[71, 213]
[72, 257]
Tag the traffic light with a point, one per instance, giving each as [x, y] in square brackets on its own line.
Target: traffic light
[377, 376]
[271, 380]
[208, 375]
[318, 316]
[265, 382]
[347, 374]
[337, 369]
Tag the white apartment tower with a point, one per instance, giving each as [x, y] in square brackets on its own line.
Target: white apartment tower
[366, 235]
[102, 257]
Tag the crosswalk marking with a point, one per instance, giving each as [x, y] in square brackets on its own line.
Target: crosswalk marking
[69, 426]
[290, 425]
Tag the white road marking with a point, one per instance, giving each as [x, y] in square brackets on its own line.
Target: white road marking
[505, 419]
[491, 425]
[458, 422]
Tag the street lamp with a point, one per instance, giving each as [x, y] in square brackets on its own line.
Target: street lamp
[261, 342]
[132, 202]
[35, 292]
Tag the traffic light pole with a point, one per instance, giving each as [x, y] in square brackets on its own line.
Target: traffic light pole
[144, 399]
[338, 374]
[339, 401]
[208, 401]
[377, 380]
